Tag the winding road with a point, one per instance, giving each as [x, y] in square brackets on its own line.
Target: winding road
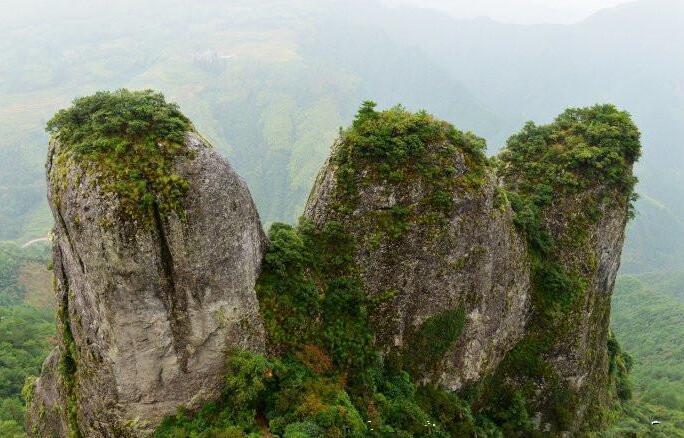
[31, 242]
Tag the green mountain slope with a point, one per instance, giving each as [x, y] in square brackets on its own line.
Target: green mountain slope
[648, 320]
[634, 419]
[270, 85]
[26, 327]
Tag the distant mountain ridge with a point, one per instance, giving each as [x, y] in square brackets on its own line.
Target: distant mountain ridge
[297, 70]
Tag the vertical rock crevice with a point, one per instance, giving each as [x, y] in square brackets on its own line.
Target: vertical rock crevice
[68, 363]
[174, 300]
[63, 225]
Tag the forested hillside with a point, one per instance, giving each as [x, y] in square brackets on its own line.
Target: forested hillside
[648, 318]
[26, 327]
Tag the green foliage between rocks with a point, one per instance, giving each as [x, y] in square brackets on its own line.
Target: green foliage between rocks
[325, 377]
[311, 296]
[130, 141]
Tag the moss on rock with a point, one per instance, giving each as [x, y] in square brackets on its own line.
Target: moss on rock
[404, 152]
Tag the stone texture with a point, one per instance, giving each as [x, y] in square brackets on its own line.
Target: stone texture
[46, 415]
[153, 308]
[580, 355]
[475, 261]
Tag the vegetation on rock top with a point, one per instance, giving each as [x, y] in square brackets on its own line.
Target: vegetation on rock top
[582, 149]
[404, 150]
[131, 140]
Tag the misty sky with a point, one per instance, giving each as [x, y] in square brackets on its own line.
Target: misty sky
[518, 11]
[510, 11]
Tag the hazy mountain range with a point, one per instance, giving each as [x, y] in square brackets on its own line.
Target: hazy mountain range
[516, 11]
[270, 82]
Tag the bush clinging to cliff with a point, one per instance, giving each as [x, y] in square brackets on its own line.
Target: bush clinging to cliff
[581, 148]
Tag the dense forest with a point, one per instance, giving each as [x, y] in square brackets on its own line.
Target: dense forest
[27, 325]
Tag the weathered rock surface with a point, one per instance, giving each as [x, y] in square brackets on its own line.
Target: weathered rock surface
[152, 310]
[495, 272]
[580, 355]
[475, 261]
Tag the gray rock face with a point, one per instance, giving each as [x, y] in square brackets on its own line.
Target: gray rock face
[475, 261]
[47, 414]
[152, 310]
[580, 354]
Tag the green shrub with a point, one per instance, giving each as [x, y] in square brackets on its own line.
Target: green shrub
[583, 147]
[132, 140]
[400, 150]
[309, 295]
[11, 429]
[426, 345]
[619, 366]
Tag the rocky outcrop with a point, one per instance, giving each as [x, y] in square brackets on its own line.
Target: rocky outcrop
[148, 310]
[572, 186]
[473, 261]
[527, 247]
[488, 274]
